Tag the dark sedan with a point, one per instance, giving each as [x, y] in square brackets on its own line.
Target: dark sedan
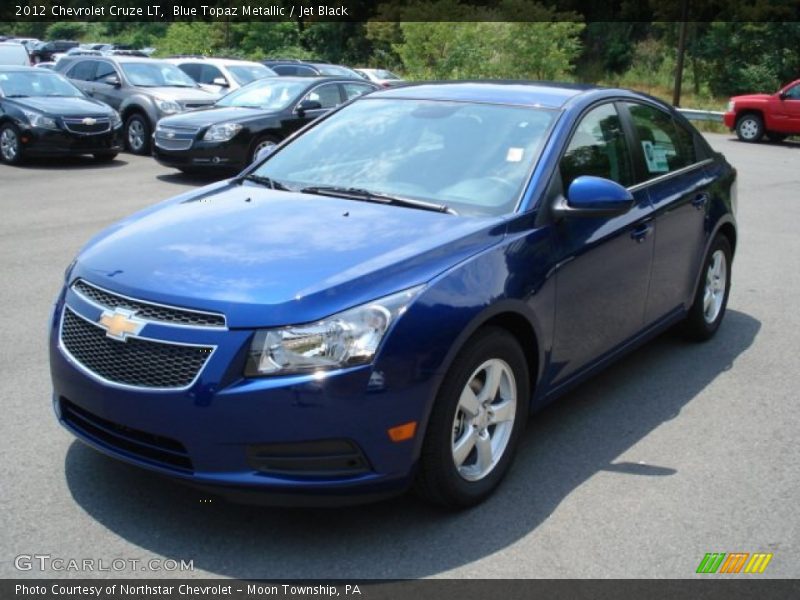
[255, 117]
[43, 114]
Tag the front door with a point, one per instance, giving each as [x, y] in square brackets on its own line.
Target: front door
[604, 262]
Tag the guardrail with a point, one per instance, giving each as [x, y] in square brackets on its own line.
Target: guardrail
[701, 115]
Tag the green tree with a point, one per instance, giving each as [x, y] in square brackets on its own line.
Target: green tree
[66, 30]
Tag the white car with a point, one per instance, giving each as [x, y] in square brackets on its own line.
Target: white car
[382, 77]
[221, 75]
[15, 54]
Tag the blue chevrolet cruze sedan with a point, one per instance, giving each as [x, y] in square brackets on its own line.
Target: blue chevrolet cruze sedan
[382, 301]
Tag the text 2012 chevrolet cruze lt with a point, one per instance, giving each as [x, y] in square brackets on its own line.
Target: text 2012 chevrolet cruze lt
[382, 300]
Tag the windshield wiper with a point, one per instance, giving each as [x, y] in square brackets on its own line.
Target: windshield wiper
[377, 197]
[267, 181]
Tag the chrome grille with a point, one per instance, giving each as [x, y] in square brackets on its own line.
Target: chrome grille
[136, 362]
[175, 138]
[194, 105]
[147, 310]
[77, 125]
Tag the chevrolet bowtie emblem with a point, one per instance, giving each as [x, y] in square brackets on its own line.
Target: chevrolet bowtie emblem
[89, 121]
[120, 324]
[170, 134]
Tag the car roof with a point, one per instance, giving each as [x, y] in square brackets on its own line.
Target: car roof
[519, 93]
[213, 61]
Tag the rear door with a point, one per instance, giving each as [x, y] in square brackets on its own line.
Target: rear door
[82, 75]
[671, 172]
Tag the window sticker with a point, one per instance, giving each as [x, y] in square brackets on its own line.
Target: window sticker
[514, 154]
[656, 157]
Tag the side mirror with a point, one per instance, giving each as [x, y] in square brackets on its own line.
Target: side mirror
[112, 80]
[589, 196]
[221, 81]
[307, 105]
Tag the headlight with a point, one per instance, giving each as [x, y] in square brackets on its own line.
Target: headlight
[731, 106]
[347, 339]
[39, 120]
[222, 132]
[168, 106]
[116, 120]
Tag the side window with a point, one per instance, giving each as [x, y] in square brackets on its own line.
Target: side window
[82, 70]
[793, 93]
[665, 145]
[192, 70]
[209, 73]
[327, 95]
[305, 72]
[598, 147]
[353, 90]
[285, 69]
[104, 69]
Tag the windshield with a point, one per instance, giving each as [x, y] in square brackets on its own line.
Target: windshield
[383, 74]
[474, 158]
[268, 94]
[36, 83]
[156, 74]
[244, 74]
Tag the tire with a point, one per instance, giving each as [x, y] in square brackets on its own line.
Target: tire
[137, 134]
[454, 434]
[703, 320]
[776, 138]
[10, 145]
[105, 156]
[750, 128]
[260, 142]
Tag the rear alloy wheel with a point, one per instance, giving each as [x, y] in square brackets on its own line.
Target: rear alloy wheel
[10, 145]
[750, 128]
[711, 299]
[137, 135]
[476, 422]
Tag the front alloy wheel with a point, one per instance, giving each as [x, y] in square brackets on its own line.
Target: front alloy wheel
[750, 128]
[138, 135]
[484, 419]
[476, 421]
[10, 147]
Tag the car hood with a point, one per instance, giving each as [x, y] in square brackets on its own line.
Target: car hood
[752, 98]
[268, 258]
[209, 116]
[65, 107]
[181, 94]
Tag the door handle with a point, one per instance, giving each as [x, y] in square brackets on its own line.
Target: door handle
[700, 200]
[640, 233]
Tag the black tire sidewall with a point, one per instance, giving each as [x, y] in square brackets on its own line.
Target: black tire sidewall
[145, 149]
[437, 461]
[18, 159]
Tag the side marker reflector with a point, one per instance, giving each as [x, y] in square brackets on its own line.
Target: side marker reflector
[401, 433]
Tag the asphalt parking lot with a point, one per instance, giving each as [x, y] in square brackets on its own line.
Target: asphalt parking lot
[676, 451]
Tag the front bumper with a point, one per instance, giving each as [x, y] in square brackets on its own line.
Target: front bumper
[51, 142]
[231, 155]
[729, 118]
[211, 434]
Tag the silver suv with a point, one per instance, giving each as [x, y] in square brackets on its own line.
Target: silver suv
[142, 89]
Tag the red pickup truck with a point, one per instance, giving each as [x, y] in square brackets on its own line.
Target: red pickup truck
[774, 115]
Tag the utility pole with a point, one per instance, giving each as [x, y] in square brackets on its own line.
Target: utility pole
[676, 92]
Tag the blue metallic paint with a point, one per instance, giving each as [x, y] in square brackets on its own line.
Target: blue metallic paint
[577, 292]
